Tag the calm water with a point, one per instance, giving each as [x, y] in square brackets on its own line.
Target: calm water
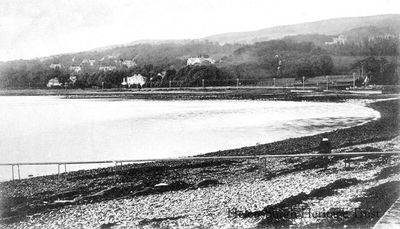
[40, 129]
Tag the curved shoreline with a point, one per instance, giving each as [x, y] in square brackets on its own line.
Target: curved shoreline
[37, 195]
[388, 123]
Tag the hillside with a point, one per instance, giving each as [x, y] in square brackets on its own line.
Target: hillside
[324, 27]
[331, 47]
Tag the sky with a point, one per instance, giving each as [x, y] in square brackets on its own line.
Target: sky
[36, 28]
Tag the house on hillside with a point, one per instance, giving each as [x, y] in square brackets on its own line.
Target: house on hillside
[385, 36]
[129, 63]
[55, 66]
[136, 79]
[107, 68]
[75, 69]
[159, 76]
[73, 79]
[91, 62]
[200, 61]
[340, 40]
[54, 83]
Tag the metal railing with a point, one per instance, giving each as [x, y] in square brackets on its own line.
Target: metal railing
[256, 157]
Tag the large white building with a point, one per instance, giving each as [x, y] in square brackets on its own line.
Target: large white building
[200, 61]
[54, 83]
[341, 39]
[136, 79]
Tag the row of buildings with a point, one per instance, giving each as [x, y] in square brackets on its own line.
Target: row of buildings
[200, 60]
[78, 68]
[136, 79]
[342, 39]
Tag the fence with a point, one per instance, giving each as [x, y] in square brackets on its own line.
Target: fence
[261, 158]
[324, 82]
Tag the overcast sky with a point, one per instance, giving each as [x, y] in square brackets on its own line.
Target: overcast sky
[32, 28]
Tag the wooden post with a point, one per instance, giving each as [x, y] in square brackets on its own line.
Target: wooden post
[202, 82]
[58, 167]
[237, 84]
[170, 83]
[65, 167]
[327, 82]
[265, 164]
[115, 172]
[274, 82]
[19, 175]
[12, 172]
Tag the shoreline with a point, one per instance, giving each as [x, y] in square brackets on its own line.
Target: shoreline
[339, 138]
[150, 174]
[252, 93]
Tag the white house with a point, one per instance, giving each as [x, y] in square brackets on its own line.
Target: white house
[55, 66]
[73, 79]
[75, 69]
[341, 39]
[91, 62]
[136, 79]
[107, 68]
[200, 61]
[54, 83]
[129, 63]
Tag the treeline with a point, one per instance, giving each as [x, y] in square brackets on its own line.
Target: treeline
[280, 58]
[367, 47]
[379, 70]
[358, 43]
[163, 63]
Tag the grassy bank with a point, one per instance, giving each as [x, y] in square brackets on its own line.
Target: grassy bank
[215, 193]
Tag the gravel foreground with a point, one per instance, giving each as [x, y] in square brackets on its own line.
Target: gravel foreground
[292, 192]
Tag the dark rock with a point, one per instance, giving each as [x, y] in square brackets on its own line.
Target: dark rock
[207, 183]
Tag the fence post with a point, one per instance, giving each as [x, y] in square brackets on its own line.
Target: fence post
[170, 83]
[12, 172]
[65, 167]
[58, 168]
[237, 84]
[274, 82]
[327, 82]
[115, 171]
[202, 82]
[265, 164]
[19, 175]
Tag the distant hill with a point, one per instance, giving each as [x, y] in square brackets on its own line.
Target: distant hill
[325, 27]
